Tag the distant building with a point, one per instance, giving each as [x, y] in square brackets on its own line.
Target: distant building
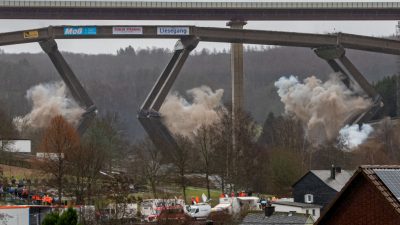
[371, 197]
[49, 155]
[274, 218]
[298, 207]
[320, 186]
[20, 146]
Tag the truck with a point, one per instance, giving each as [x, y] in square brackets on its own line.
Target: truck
[171, 213]
[150, 209]
[233, 205]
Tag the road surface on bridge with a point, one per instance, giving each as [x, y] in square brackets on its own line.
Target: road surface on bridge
[150, 10]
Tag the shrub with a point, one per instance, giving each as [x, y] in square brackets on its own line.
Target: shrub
[51, 219]
[69, 217]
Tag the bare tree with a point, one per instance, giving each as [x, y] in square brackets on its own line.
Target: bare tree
[386, 135]
[59, 140]
[181, 157]
[85, 164]
[96, 153]
[8, 133]
[204, 144]
[230, 161]
[148, 164]
[117, 190]
[223, 154]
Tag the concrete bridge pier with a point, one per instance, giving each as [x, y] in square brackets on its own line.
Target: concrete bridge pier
[237, 79]
[237, 68]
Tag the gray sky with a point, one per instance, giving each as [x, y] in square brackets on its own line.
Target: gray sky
[371, 28]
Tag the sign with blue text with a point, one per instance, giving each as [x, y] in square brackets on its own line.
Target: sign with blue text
[80, 30]
[172, 30]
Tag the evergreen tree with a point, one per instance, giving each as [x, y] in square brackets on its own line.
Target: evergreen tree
[69, 217]
[51, 219]
[387, 88]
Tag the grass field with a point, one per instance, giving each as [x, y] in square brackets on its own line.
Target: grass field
[170, 191]
[194, 191]
[19, 172]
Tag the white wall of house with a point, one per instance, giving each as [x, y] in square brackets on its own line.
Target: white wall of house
[14, 215]
[314, 212]
[23, 146]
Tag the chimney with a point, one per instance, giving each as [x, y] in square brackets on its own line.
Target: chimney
[269, 210]
[333, 172]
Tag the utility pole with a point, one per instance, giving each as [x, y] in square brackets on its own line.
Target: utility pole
[398, 74]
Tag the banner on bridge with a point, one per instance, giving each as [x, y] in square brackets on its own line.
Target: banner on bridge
[173, 30]
[80, 31]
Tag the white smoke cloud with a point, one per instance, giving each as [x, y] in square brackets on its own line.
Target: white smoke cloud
[323, 107]
[49, 100]
[353, 136]
[184, 117]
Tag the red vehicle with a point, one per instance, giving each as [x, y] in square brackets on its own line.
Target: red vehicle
[169, 213]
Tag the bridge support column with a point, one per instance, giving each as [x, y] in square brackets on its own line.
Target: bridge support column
[237, 82]
[71, 81]
[336, 58]
[149, 115]
[237, 68]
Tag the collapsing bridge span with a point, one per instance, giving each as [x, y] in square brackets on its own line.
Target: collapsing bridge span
[330, 47]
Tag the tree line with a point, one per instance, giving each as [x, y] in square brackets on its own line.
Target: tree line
[264, 159]
[121, 82]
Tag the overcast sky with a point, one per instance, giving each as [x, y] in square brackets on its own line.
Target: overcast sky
[371, 28]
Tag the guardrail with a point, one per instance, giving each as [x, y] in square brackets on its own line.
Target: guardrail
[202, 5]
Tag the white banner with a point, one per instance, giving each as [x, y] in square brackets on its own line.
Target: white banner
[127, 30]
[173, 30]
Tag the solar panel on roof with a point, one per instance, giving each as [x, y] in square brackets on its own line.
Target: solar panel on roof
[391, 178]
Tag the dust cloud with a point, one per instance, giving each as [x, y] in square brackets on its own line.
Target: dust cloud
[184, 117]
[323, 107]
[352, 136]
[49, 100]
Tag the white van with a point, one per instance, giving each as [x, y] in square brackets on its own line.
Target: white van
[199, 211]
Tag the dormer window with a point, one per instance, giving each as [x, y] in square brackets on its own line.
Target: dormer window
[308, 198]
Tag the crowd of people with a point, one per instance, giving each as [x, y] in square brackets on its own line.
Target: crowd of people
[13, 189]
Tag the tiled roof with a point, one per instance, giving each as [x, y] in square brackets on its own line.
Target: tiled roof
[369, 172]
[296, 204]
[337, 183]
[277, 218]
[373, 177]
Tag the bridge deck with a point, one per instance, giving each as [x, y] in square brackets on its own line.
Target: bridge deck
[207, 34]
[146, 10]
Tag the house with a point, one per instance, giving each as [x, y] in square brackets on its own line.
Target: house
[320, 186]
[19, 146]
[270, 217]
[298, 207]
[371, 197]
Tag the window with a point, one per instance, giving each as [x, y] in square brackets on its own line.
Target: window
[313, 212]
[307, 211]
[308, 198]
